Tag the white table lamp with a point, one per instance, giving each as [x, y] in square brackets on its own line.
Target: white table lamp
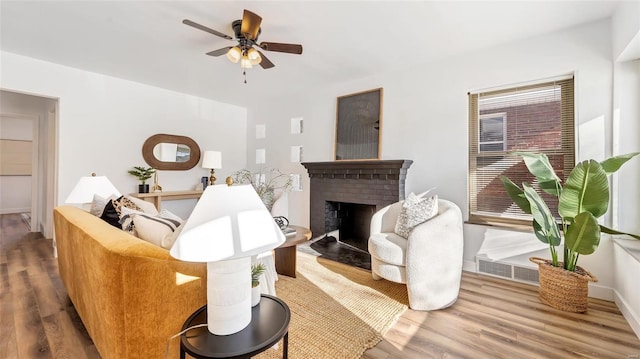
[228, 225]
[89, 186]
[212, 160]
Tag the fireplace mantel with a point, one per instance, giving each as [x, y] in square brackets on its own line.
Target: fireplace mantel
[367, 169]
[369, 182]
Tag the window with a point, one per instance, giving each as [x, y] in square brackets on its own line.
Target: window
[492, 131]
[533, 118]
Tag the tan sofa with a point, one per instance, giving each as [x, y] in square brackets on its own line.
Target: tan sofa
[131, 295]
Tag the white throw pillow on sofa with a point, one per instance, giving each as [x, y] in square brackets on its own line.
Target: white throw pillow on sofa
[154, 229]
[98, 204]
[146, 207]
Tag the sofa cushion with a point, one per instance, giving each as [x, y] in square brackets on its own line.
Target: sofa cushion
[110, 215]
[146, 207]
[126, 220]
[165, 213]
[388, 247]
[154, 229]
[123, 201]
[415, 210]
[99, 203]
[112, 211]
[168, 240]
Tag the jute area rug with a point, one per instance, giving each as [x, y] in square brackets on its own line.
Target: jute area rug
[337, 311]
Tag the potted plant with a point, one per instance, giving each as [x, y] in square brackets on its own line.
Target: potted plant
[265, 182]
[256, 271]
[581, 201]
[143, 174]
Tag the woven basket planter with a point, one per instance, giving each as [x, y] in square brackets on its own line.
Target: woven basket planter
[563, 289]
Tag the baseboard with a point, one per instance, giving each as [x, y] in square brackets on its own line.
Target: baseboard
[15, 210]
[631, 317]
[600, 292]
[469, 266]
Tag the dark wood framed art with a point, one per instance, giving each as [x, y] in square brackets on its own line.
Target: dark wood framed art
[358, 124]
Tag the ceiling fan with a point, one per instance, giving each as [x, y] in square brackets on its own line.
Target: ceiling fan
[246, 32]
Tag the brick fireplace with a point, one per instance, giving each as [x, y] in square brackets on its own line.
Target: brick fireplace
[347, 193]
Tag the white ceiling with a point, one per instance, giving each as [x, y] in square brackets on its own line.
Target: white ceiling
[145, 41]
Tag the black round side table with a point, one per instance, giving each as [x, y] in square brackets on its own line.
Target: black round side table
[269, 323]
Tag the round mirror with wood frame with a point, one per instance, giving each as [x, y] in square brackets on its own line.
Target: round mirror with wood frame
[151, 159]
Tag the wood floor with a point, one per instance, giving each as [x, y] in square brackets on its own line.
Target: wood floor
[493, 318]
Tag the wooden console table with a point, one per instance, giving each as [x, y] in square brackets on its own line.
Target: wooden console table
[157, 197]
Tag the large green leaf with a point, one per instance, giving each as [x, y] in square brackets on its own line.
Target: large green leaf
[552, 187]
[586, 190]
[606, 230]
[541, 233]
[613, 164]
[516, 194]
[583, 236]
[545, 226]
[539, 166]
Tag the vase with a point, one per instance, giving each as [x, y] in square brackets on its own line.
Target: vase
[255, 295]
[563, 289]
[268, 198]
[143, 188]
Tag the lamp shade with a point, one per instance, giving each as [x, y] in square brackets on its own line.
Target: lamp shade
[91, 185]
[245, 63]
[228, 222]
[228, 225]
[254, 56]
[234, 54]
[212, 159]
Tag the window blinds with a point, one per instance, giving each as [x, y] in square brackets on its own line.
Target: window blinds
[535, 118]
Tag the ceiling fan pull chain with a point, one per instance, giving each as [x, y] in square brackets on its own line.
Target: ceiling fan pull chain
[244, 72]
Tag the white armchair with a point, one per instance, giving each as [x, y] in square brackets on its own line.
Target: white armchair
[429, 261]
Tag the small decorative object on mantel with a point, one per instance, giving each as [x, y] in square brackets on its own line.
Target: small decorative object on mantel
[143, 174]
[256, 271]
[265, 182]
[583, 198]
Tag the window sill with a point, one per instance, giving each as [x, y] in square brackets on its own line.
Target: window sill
[520, 225]
[631, 246]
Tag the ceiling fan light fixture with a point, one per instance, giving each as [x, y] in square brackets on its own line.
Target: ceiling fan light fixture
[234, 54]
[245, 63]
[254, 56]
[246, 33]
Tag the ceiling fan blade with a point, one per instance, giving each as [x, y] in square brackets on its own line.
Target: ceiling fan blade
[279, 47]
[250, 25]
[265, 63]
[219, 52]
[204, 28]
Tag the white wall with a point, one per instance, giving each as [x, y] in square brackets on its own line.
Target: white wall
[425, 115]
[626, 262]
[626, 31]
[103, 122]
[626, 138]
[627, 119]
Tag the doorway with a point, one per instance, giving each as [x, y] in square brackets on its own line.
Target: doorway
[30, 121]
